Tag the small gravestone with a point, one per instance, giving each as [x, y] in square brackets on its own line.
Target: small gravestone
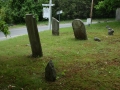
[110, 30]
[88, 21]
[79, 29]
[97, 39]
[55, 26]
[118, 14]
[50, 73]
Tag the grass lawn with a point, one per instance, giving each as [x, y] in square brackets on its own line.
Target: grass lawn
[80, 64]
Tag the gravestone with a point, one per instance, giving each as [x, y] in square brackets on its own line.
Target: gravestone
[33, 35]
[55, 26]
[50, 73]
[110, 30]
[97, 39]
[79, 29]
[118, 14]
[88, 21]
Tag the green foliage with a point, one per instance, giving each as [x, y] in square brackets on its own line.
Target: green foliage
[4, 28]
[72, 8]
[3, 16]
[19, 8]
[108, 7]
[14, 11]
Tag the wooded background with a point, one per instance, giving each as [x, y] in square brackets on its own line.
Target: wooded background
[14, 11]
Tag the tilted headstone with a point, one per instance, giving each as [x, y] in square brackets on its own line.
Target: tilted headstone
[33, 36]
[50, 73]
[110, 30]
[118, 14]
[79, 29]
[55, 26]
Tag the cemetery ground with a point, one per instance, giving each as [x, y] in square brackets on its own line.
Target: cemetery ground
[80, 64]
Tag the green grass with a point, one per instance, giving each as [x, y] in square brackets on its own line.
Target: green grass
[80, 65]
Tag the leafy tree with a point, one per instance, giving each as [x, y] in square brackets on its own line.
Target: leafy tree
[72, 8]
[4, 28]
[107, 7]
[19, 8]
[3, 25]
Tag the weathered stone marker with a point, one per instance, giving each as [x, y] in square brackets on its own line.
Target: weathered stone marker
[118, 14]
[97, 39]
[33, 36]
[50, 73]
[110, 30]
[55, 26]
[79, 29]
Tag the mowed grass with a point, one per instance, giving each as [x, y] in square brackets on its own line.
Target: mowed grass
[80, 64]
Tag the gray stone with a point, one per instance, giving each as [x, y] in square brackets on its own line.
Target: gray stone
[79, 29]
[110, 30]
[55, 27]
[97, 39]
[33, 36]
[50, 73]
[118, 14]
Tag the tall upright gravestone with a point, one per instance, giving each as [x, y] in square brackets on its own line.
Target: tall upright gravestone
[33, 36]
[55, 27]
[118, 14]
[79, 29]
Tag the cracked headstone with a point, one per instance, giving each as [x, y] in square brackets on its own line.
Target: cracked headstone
[50, 72]
[55, 27]
[79, 29]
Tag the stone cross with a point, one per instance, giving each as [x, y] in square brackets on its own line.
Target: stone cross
[33, 36]
[55, 26]
[79, 29]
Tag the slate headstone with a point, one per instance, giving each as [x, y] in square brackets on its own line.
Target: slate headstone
[79, 29]
[118, 14]
[50, 72]
[33, 34]
[55, 27]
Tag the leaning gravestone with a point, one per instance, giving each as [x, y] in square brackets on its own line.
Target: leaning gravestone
[33, 36]
[118, 14]
[79, 29]
[55, 26]
[50, 73]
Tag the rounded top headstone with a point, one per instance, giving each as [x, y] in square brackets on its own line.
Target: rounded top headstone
[79, 29]
[77, 23]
